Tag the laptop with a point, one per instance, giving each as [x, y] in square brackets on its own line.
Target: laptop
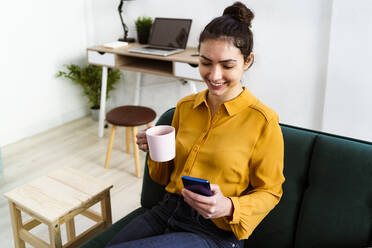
[168, 36]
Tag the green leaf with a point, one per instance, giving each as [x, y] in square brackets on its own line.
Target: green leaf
[89, 78]
[144, 23]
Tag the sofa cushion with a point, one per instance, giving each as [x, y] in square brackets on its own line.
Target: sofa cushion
[337, 206]
[278, 228]
[153, 192]
[104, 237]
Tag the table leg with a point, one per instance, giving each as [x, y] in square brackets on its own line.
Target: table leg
[106, 209]
[102, 109]
[70, 229]
[127, 139]
[137, 94]
[16, 219]
[109, 148]
[136, 152]
[55, 235]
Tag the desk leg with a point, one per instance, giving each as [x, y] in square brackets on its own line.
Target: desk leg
[70, 229]
[192, 87]
[102, 110]
[17, 225]
[106, 209]
[137, 94]
[55, 235]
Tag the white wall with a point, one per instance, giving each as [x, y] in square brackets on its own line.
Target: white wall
[37, 38]
[291, 47]
[348, 102]
[289, 74]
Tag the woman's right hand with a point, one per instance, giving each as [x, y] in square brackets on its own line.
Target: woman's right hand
[142, 140]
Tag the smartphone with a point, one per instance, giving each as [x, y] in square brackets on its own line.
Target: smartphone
[197, 185]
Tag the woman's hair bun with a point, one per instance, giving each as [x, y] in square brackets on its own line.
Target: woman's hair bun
[239, 12]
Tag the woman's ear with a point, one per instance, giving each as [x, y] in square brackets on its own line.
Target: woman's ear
[248, 63]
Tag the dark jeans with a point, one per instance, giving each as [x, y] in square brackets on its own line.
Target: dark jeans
[173, 223]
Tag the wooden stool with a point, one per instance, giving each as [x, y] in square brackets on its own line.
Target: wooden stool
[129, 117]
[54, 200]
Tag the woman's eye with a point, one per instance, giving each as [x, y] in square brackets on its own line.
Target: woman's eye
[205, 63]
[228, 66]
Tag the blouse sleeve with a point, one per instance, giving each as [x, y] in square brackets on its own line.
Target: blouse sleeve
[266, 179]
[160, 171]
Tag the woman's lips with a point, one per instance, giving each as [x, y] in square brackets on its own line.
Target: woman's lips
[216, 85]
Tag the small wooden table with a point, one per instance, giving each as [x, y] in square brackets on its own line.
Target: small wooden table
[55, 199]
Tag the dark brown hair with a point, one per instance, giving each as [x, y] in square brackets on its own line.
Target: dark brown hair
[234, 25]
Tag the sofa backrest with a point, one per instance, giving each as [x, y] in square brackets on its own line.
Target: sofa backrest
[327, 199]
[336, 209]
[278, 229]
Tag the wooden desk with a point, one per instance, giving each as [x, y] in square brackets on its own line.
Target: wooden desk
[181, 65]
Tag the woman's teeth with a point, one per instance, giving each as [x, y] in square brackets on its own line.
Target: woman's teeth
[216, 84]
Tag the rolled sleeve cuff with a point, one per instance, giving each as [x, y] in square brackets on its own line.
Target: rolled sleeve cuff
[236, 214]
[160, 171]
[151, 162]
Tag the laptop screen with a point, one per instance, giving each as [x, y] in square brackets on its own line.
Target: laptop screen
[170, 32]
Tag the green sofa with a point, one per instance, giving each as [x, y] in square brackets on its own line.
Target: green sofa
[327, 200]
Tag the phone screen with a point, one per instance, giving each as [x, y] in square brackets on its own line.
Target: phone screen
[197, 185]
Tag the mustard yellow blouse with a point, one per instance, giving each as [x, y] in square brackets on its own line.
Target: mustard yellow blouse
[240, 149]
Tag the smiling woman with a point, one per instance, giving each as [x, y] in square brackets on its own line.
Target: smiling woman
[225, 48]
[224, 135]
[221, 67]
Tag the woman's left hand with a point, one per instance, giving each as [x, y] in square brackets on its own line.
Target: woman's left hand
[209, 207]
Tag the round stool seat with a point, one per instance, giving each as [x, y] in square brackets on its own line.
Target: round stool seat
[129, 116]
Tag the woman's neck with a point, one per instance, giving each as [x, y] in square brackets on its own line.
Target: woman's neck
[215, 101]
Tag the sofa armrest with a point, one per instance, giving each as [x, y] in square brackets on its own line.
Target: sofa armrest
[100, 240]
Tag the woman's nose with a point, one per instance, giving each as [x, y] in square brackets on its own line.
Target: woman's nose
[215, 74]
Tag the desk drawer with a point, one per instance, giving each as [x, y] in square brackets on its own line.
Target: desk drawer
[187, 71]
[105, 59]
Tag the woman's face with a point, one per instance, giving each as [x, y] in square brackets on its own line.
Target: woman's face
[221, 66]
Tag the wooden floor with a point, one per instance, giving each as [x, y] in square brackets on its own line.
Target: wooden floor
[75, 145]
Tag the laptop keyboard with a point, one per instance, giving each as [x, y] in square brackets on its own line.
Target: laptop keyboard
[161, 48]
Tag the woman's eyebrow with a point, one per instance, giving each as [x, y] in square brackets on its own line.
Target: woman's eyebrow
[202, 56]
[221, 61]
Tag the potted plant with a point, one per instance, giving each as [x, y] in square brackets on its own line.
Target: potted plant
[89, 78]
[143, 26]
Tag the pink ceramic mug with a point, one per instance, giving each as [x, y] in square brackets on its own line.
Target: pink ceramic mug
[161, 141]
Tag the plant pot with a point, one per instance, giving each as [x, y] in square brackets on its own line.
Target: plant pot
[143, 36]
[94, 111]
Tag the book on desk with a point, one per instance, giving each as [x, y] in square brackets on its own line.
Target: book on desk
[115, 44]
